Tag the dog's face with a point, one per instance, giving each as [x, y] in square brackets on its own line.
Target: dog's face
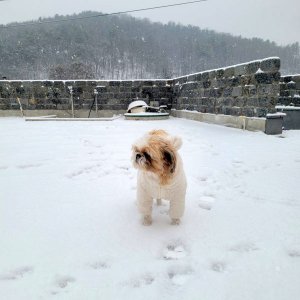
[156, 152]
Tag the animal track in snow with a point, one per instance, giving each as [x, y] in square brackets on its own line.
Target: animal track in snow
[218, 266]
[206, 202]
[244, 247]
[16, 273]
[28, 166]
[295, 253]
[174, 251]
[180, 275]
[144, 280]
[84, 170]
[99, 265]
[63, 281]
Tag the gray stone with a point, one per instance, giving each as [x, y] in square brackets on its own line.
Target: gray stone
[205, 76]
[237, 91]
[252, 67]
[212, 74]
[262, 78]
[240, 70]
[229, 72]
[291, 85]
[220, 73]
[270, 65]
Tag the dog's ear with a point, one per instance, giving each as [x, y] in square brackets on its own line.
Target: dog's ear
[176, 142]
[169, 160]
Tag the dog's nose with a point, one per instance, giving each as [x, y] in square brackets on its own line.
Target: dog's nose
[138, 156]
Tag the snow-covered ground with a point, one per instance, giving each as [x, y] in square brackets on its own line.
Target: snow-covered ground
[69, 227]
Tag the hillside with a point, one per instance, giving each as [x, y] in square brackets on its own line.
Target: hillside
[124, 47]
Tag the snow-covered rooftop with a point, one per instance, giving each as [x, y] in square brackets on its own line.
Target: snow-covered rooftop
[69, 225]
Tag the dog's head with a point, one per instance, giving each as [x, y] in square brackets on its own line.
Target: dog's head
[156, 152]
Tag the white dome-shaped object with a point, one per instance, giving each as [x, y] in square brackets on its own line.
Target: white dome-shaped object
[136, 104]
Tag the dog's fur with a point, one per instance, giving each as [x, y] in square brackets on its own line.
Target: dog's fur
[160, 174]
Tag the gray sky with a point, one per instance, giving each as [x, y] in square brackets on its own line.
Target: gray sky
[276, 20]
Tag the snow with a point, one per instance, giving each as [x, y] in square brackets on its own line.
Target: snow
[283, 107]
[276, 115]
[69, 227]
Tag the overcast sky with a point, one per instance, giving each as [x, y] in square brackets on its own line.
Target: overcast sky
[276, 20]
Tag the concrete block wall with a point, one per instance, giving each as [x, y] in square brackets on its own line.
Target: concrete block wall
[289, 90]
[250, 89]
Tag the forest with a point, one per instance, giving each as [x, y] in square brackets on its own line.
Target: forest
[124, 47]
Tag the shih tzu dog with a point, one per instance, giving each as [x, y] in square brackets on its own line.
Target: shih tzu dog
[160, 174]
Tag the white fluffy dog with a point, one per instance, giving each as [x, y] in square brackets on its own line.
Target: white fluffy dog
[160, 174]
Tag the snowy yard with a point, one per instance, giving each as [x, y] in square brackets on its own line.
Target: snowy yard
[69, 226]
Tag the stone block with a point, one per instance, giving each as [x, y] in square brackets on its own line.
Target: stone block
[48, 83]
[198, 77]
[226, 110]
[221, 83]
[245, 80]
[249, 90]
[191, 78]
[239, 101]
[205, 76]
[237, 91]
[291, 85]
[262, 78]
[286, 79]
[270, 65]
[240, 70]
[247, 111]
[102, 83]
[160, 83]
[264, 89]
[282, 86]
[234, 81]
[127, 83]
[252, 67]
[263, 101]
[182, 80]
[220, 73]
[147, 83]
[275, 77]
[229, 72]
[296, 79]
[206, 84]
[212, 74]
[236, 111]
[114, 83]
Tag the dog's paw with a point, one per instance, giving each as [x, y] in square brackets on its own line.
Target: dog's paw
[147, 220]
[175, 221]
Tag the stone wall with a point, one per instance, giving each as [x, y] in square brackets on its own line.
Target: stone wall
[112, 95]
[290, 90]
[249, 89]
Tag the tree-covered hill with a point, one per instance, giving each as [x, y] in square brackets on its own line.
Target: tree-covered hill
[124, 47]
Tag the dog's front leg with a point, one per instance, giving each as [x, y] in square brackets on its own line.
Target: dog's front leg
[176, 210]
[144, 201]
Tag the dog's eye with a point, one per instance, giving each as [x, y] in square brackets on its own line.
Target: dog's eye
[147, 156]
